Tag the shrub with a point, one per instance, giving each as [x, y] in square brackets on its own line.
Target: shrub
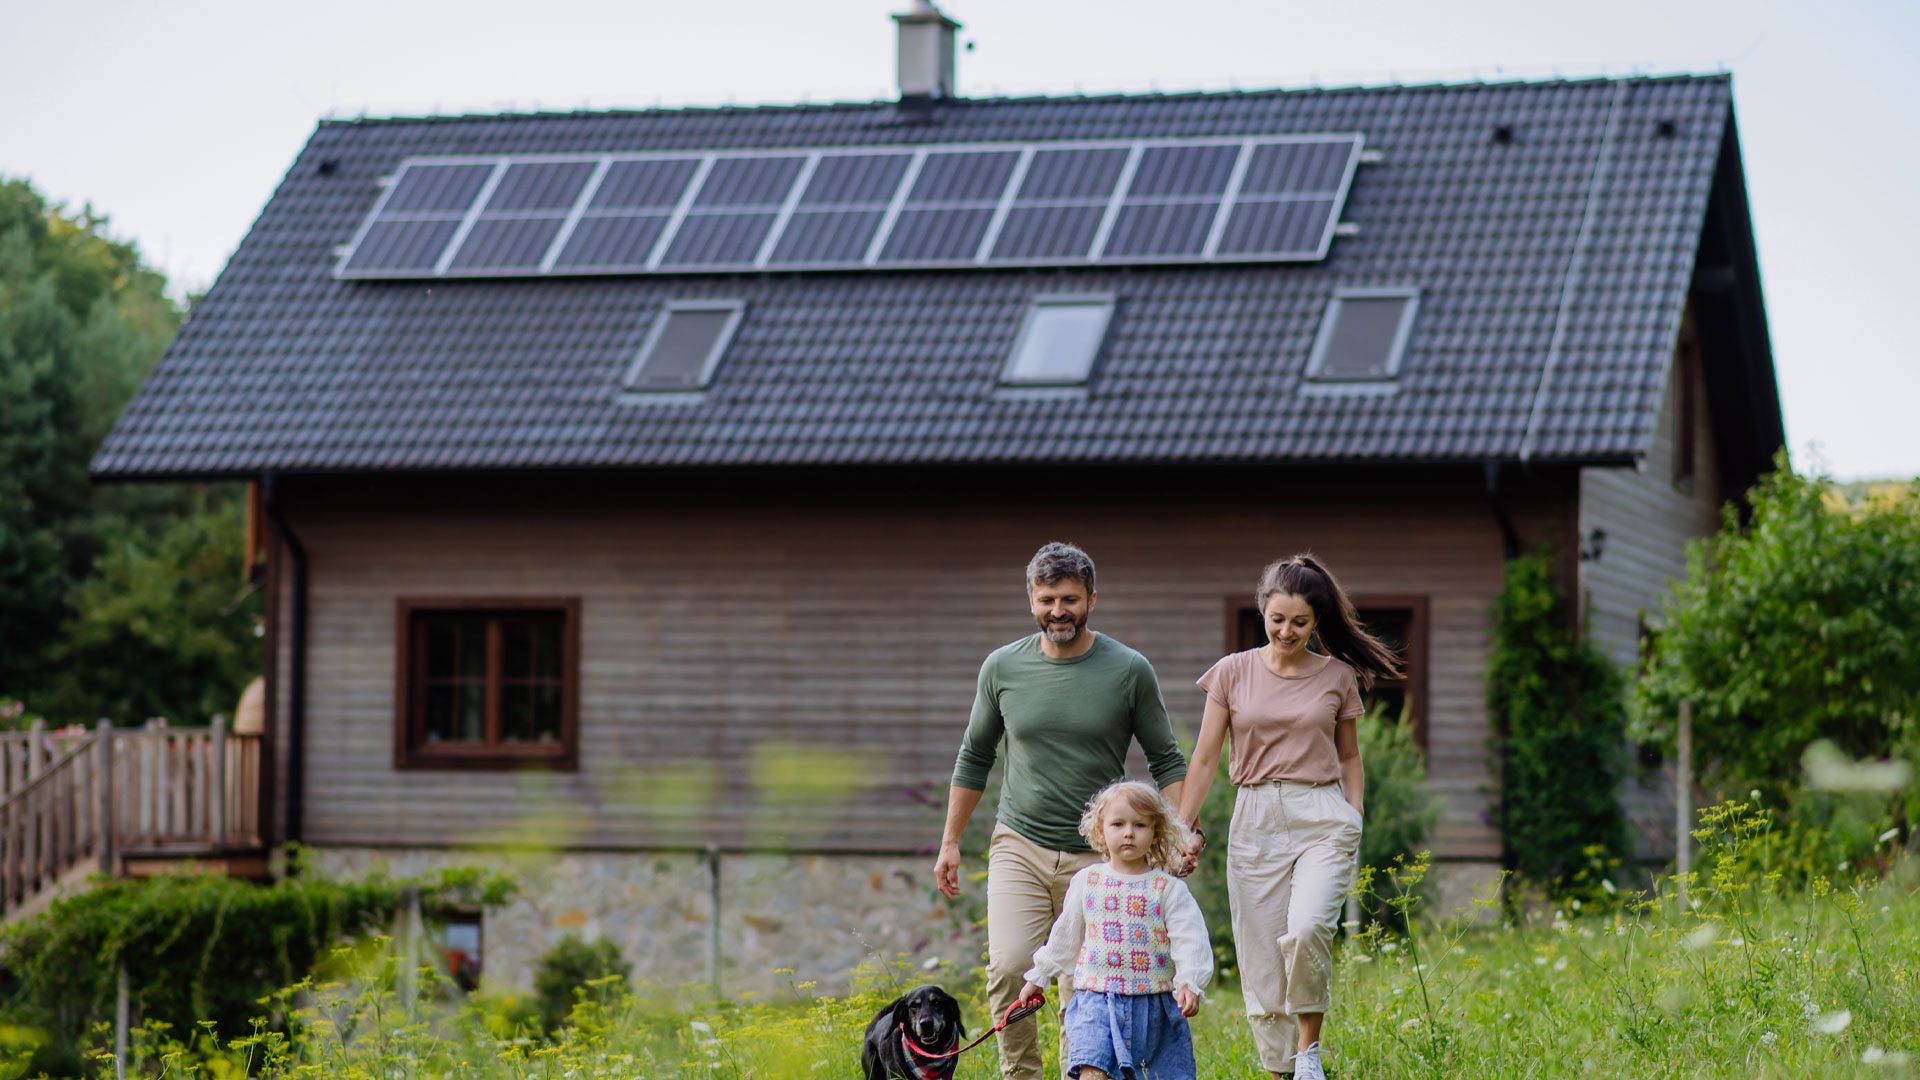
[1802, 624]
[196, 947]
[1400, 810]
[1557, 709]
[570, 970]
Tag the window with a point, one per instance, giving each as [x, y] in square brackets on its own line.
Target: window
[487, 683]
[1364, 334]
[1686, 407]
[685, 345]
[457, 937]
[1059, 340]
[1399, 621]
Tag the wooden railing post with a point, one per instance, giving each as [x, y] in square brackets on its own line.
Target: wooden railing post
[36, 742]
[217, 784]
[103, 791]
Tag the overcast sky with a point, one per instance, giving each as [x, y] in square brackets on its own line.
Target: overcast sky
[177, 120]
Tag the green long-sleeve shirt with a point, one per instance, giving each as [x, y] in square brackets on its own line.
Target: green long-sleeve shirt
[1067, 724]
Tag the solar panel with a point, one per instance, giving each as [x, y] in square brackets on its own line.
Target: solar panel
[1269, 198]
[540, 186]
[718, 240]
[822, 238]
[506, 244]
[624, 242]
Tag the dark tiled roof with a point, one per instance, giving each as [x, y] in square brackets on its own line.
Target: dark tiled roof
[1561, 255]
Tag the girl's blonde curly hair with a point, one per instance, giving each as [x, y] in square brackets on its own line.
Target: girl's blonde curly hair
[1170, 834]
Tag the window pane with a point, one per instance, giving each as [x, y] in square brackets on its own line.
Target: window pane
[516, 648]
[546, 713]
[443, 639]
[470, 722]
[456, 712]
[1361, 343]
[546, 646]
[679, 354]
[516, 713]
[473, 648]
[440, 712]
[1060, 342]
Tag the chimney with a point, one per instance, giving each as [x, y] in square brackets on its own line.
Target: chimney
[926, 52]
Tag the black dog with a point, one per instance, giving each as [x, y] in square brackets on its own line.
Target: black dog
[899, 1037]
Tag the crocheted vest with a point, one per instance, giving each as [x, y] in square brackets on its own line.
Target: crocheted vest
[1125, 950]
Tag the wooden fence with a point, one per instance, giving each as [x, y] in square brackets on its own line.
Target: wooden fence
[74, 799]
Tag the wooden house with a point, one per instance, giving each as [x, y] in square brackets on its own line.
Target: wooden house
[643, 488]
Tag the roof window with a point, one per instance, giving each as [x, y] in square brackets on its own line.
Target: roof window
[685, 345]
[1364, 334]
[1059, 340]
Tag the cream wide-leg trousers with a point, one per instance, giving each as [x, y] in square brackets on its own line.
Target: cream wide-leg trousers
[1290, 863]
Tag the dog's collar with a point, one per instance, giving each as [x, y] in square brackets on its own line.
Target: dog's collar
[927, 1064]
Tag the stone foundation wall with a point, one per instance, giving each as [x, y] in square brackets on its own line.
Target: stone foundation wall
[822, 916]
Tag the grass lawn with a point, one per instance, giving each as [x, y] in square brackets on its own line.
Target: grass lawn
[1750, 978]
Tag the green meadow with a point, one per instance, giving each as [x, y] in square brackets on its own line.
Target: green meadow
[1738, 971]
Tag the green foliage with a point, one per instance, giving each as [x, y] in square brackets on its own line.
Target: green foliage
[1802, 624]
[1400, 809]
[574, 970]
[196, 947]
[81, 321]
[166, 626]
[1744, 979]
[1558, 716]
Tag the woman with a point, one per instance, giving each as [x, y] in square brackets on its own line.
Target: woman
[1295, 835]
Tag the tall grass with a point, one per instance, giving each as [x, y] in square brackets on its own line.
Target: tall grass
[1736, 972]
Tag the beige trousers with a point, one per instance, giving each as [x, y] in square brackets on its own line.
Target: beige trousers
[1026, 884]
[1290, 864]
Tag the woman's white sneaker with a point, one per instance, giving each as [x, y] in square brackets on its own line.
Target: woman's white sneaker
[1306, 1064]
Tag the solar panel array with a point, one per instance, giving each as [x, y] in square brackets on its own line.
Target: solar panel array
[1270, 198]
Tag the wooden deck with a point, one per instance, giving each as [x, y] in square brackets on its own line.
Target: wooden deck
[124, 802]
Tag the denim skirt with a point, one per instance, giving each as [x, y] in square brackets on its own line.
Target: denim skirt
[1142, 1036]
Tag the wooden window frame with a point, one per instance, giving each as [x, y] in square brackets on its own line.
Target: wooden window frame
[1415, 659]
[410, 748]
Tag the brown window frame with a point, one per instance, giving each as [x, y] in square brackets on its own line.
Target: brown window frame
[1417, 644]
[410, 747]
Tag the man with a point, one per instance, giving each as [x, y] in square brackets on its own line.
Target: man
[1068, 701]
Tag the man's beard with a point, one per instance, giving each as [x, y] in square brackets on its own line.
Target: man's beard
[1062, 637]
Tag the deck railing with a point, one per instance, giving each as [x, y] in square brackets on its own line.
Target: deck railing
[73, 799]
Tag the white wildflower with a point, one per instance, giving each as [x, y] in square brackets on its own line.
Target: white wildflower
[1736, 940]
[1608, 885]
[1560, 964]
[1768, 1038]
[1754, 794]
[1888, 835]
[1539, 959]
[1873, 1055]
[1388, 947]
[1834, 1023]
[930, 963]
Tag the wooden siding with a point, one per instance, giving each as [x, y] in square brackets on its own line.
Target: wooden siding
[733, 643]
[1648, 516]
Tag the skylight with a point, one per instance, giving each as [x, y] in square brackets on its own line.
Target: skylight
[1059, 340]
[685, 345]
[1364, 334]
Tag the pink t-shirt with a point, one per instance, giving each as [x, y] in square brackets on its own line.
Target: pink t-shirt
[1281, 727]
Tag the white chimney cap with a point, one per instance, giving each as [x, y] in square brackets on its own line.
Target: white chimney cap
[925, 59]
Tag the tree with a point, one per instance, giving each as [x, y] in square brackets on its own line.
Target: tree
[82, 321]
[1802, 624]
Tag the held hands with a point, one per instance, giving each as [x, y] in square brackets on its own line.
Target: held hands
[1191, 858]
[946, 870]
[1188, 1001]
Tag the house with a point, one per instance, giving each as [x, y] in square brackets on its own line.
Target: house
[643, 489]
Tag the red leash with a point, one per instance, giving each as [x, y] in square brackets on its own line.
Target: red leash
[1019, 1010]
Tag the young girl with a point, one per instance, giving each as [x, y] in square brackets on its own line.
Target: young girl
[1296, 817]
[1133, 940]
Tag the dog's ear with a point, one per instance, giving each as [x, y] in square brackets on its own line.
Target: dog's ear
[889, 1007]
[950, 1009]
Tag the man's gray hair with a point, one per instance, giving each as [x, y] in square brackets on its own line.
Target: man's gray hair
[1058, 561]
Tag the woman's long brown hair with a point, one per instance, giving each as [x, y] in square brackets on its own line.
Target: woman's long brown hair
[1338, 626]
